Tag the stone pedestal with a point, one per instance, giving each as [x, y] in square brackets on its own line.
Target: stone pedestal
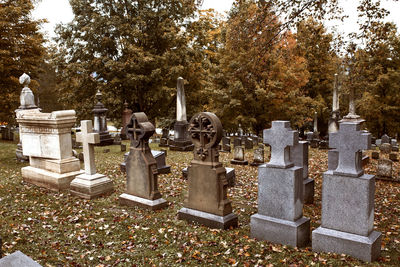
[46, 139]
[280, 208]
[181, 140]
[206, 201]
[141, 167]
[100, 122]
[353, 234]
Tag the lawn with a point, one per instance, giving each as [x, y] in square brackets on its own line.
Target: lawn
[57, 229]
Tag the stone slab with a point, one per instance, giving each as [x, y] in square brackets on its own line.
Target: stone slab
[208, 219]
[71, 164]
[366, 248]
[280, 192]
[91, 186]
[341, 200]
[18, 259]
[134, 201]
[295, 234]
[385, 168]
[50, 180]
[308, 191]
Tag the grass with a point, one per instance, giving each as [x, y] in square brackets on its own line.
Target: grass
[57, 229]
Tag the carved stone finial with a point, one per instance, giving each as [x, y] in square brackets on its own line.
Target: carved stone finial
[25, 80]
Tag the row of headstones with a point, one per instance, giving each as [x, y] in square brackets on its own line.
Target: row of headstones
[7, 133]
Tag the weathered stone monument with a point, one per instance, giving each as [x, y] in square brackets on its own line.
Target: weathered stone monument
[159, 156]
[333, 125]
[226, 144]
[46, 139]
[258, 156]
[141, 167]
[238, 156]
[181, 140]
[126, 116]
[90, 184]
[164, 138]
[248, 143]
[206, 201]
[27, 101]
[299, 156]
[348, 194]
[384, 169]
[280, 192]
[100, 122]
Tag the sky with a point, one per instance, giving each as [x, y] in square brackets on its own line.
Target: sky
[56, 11]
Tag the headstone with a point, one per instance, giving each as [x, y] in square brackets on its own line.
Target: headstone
[393, 142]
[18, 259]
[258, 157]
[46, 139]
[280, 192]
[299, 156]
[206, 201]
[159, 156]
[375, 155]
[238, 156]
[385, 139]
[385, 148]
[100, 122]
[106, 150]
[248, 143]
[90, 184]
[7, 133]
[237, 142]
[164, 138]
[309, 136]
[323, 144]
[181, 141]
[348, 194]
[395, 148]
[117, 140]
[385, 168]
[141, 167]
[226, 144]
[393, 157]
[378, 142]
[123, 147]
[126, 116]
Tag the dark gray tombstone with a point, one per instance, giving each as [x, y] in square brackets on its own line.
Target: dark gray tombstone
[226, 144]
[385, 169]
[385, 139]
[237, 142]
[164, 138]
[248, 143]
[375, 155]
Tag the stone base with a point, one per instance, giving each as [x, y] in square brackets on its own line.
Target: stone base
[208, 219]
[308, 191]
[50, 180]
[256, 163]
[295, 234]
[91, 186]
[366, 248]
[134, 201]
[164, 170]
[239, 162]
[181, 146]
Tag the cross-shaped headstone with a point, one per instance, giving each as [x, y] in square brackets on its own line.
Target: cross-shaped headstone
[280, 136]
[139, 129]
[349, 140]
[88, 138]
[204, 132]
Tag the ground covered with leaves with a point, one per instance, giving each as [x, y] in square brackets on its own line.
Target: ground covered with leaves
[57, 229]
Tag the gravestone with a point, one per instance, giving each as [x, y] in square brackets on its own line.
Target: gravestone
[375, 154]
[100, 122]
[385, 139]
[230, 176]
[206, 201]
[238, 156]
[141, 167]
[164, 138]
[181, 141]
[385, 148]
[237, 142]
[395, 148]
[393, 142]
[226, 144]
[7, 133]
[18, 259]
[123, 147]
[258, 156]
[90, 184]
[126, 116]
[46, 139]
[248, 143]
[348, 194]
[385, 168]
[323, 144]
[299, 156]
[159, 156]
[393, 157]
[280, 192]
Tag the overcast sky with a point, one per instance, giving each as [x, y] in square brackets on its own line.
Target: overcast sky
[56, 11]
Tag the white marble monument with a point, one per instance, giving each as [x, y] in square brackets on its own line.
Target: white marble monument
[90, 184]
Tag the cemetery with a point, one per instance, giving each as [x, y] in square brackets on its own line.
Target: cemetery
[183, 137]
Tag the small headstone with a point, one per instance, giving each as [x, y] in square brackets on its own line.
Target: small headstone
[385, 168]
[385, 139]
[393, 142]
[393, 157]
[160, 157]
[206, 201]
[375, 155]
[258, 157]
[248, 143]
[280, 192]
[323, 144]
[238, 156]
[385, 148]
[100, 122]
[18, 259]
[141, 167]
[314, 143]
[373, 140]
[117, 140]
[164, 138]
[310, 136]
[226, 144]
[106, 150]
[123, 147]
[237, 142]
[378, 142]
[90, 184]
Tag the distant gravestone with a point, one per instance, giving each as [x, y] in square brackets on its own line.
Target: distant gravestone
[238, 156]
[123, 147]
[385, 148]
[248, 143]
[90, 184]
[375, 155]
[385, 139]
[348, 194]
[393, 157]
[18, 259]
[385, 168]
[237, 142]
[258, 157]
[226, 144]
[141, 167]
[100, 122]
[280, 192]
[164, 138]
[206, 201]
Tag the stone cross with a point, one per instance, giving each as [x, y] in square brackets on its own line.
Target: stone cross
[280, 136]
[180, 101]
[88, 139]
[349, 140]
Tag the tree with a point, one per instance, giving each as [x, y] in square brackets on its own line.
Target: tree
[21, 50]
[129, 50]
